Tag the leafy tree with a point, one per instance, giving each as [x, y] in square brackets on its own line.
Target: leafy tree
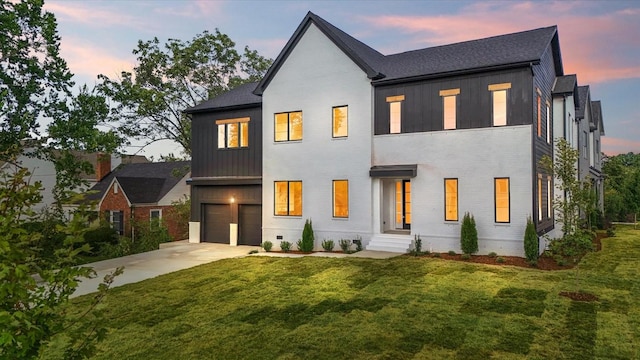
[168, 79]
[36, 104]
[622, 186]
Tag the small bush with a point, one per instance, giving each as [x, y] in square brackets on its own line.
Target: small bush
[531, 244]
[500, 259]
[611, 232]
[452, 253]
[98, 237]
[328, 245]
[253, 252]
[465, 257]
[492, 254]
[345, 245]
[469, 235]
[437, 255]
[285, 246]
[267, 245]
[358, 242]
[307, 243]
[417, 245]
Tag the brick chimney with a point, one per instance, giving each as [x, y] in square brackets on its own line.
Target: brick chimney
[103, 166]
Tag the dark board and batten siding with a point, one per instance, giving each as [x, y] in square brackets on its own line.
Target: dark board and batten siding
[422, 109]
[544, 75]
[242, 194]
[209, 161]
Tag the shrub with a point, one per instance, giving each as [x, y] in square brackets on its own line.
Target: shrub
[531, 244]
[469, 235]
[417, 245]
[345, 245]
[500, 259]
[308, 239]
[100, 236]
[436, 255]
[465, 257]
[285, 246]
[328, 245]
[492, 254]
[611, 232]
[267, 245]
[253, 252]
[451, 252]
[358, 242]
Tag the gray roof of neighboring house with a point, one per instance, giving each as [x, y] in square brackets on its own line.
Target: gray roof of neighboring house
[565, 84]
[143, 183]
[581, 104]
[596, 109]
[238, 97]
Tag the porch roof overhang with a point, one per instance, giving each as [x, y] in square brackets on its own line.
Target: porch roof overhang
[394, 171]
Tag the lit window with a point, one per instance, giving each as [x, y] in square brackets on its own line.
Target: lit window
[539, 197]
[395, 113]
[451, 199]
[233, 133]
[341, 198]
[539, 114]
[548, 124]
[449, 104]
[340, 121]
[499, 100]
[288, 198]
[549, 197]
[288, 126]
[501, 189]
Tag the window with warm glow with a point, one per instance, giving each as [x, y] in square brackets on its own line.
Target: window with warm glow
[501, 189]
[288, 198]
[548, 123]
[549, 197]
[395, 117]
[233, 133]
[288, 126]
[340, 121]
[451, 199]
[539, 197]
[499, 100]
[539, 115]
[449, 105]
[341, 198]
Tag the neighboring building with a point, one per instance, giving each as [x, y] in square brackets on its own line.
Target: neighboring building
[140, 192]
[44, 171]
[390, 147]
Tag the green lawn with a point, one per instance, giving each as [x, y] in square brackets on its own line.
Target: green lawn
[401, 308]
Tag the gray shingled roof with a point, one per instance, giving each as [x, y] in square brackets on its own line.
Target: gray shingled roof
[239, 96]
[143, 183]
[583, 97]
[565, 84]
[596, 109]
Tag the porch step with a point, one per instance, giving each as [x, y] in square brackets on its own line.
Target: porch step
[390, 243]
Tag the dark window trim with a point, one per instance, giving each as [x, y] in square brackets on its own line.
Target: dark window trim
[333, 119]
[288, 192]
[495, 204]
[288, 125]
[445, 201]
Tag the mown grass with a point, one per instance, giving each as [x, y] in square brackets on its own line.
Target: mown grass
[401, 308]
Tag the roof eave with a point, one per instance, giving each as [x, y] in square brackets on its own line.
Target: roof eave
[223, 108]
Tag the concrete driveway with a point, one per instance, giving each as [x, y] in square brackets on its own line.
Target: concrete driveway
[171, 257]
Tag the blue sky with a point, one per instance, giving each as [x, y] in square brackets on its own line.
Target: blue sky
[599, 40]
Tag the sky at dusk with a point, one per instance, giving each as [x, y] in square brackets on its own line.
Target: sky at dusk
[599, 40]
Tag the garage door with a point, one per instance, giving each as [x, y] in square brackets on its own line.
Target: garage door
[216, 223]
[250, 225]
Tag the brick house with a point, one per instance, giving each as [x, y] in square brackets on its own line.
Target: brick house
[136, 193]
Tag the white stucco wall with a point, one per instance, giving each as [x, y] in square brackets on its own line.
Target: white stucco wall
[475, 157]
[314, 78]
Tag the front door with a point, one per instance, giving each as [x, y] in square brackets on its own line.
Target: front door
[403, 204]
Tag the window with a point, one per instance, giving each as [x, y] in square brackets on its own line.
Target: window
[155, 217]
[451, 199]
[585, 145]
[288, 126]
[538, 99]
[288, 198]
[549, 197]
[116, 218]
[499, 99]
[539, 197]
[501, 189]
[340, 121]
[395, 113]
[115, 187]
[233, 133]
[340, 198]
[548, 123]
[449, 104]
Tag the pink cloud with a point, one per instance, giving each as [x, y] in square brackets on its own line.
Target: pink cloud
[615, 146]
[586, 41]
[90, 60]
[93, 15]
[193, 9]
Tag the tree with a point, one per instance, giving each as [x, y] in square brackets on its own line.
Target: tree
[622, 186]
[36, 104]
[469, 235]
[148, 103]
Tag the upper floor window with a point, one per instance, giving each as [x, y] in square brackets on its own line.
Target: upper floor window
[233, 133]
[502, 205]
[499, 100]
[288, 198]
[538, 102]
[340, 121]
[341, 198]
[548, 123]
[585, 144]
[449, 102]
[451, 199]
[288, 126]
[395, 113]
